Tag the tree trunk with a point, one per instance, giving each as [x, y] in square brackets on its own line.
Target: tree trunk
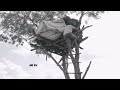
[77, 72]
[75, 61]
[64, 64]
[77, 67]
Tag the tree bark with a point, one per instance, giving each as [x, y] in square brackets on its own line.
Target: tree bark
[75, 62]
[64, 64]
[76, 59]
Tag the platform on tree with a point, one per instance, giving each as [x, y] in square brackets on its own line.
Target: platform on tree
[57, 46]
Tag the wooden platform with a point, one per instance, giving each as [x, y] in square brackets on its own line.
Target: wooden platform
[58, 46]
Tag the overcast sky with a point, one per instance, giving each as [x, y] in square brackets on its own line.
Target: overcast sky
[102, 48]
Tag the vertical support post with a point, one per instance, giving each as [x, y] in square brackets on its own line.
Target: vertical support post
[64, 64]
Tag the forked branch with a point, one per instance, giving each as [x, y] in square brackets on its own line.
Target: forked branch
[54, 60]
[80, 20]
[83, 28]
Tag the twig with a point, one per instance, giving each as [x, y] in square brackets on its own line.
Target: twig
[60, 60]
[81, 48]
[46, 57]
[86, 70]
[83, 28]
[80, 19]
[83, 39]
[33, 21]
[54, 60]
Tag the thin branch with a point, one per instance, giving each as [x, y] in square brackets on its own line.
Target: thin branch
[60, 60]
[54, 60]
[83, 28]
[86, 70]
[81, 48]
[60, 66]
[80, 19]
[46, 57]
[33, 22]
[84, 39]
[85, 12]
[60, 47]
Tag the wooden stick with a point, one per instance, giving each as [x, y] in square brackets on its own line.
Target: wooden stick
[74, 73]
[54, 60]
[86, 70]
[72, 63]
[60, 60]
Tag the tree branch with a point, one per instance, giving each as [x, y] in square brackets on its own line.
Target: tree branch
[83, 28]
[46, 57]
[83, 39]
[81, 48]
[77, 51]
[86, 70]
[80, 20]
[33, 22]
[54, 60]
[60, 60]
[80, 31]
[65, 72]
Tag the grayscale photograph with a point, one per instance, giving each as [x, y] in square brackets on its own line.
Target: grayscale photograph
[59, 45]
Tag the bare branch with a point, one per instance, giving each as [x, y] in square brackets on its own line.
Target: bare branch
[83, 28]
[81, 48]
[60, 60]
[86, 70]
[85, 12]
[46, 57]
[54, 60]
[33, 22]
[81, 40]
[84, 39]
[80, 19]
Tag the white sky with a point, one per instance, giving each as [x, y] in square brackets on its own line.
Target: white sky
[102, 47]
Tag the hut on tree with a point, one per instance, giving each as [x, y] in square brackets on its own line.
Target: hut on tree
[57, 46]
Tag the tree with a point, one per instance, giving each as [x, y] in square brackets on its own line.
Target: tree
[18, 27]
